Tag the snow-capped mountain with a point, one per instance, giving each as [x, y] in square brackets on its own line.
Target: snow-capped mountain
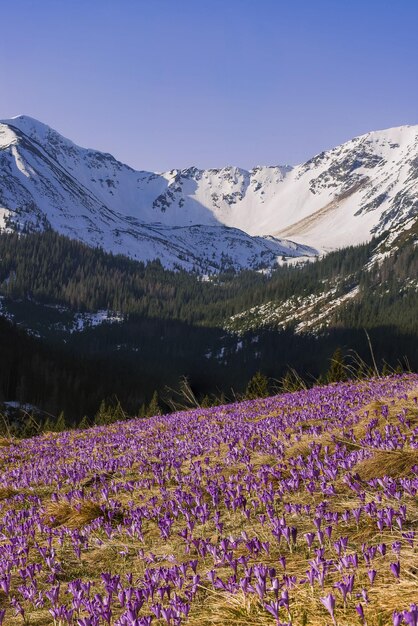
[205, 219]
[46, 181]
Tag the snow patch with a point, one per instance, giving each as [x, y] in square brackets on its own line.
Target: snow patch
[82, 321]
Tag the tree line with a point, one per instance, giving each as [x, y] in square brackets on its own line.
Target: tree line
[174, 326]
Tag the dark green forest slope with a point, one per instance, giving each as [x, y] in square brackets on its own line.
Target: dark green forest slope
[172, 324]
[51, 268]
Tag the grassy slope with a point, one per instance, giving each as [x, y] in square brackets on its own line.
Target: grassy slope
[93, 481]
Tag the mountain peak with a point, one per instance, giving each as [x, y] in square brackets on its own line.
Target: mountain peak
[26, 119]
[28, 125]
[394, 137]
[340, 197]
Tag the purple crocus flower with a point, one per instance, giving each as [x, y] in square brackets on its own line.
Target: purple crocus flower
[329, 603]
[411, 616]
[273, 608]
[360, 611]
[395, 568]
[372, 575]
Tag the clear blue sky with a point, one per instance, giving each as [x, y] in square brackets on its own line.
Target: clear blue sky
[171, 83]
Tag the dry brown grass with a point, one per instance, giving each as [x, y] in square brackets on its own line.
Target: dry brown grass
[92, 480]
[395, 464]
[302, 447]
[119, 553]
[7, 492]
[225, 609]
[373, 411]
[39, 617]
[4, 442]
[74, 515]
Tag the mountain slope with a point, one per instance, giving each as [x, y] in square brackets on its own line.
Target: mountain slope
[203, 517]
[340, 197]
[109, 325]
[47, 181]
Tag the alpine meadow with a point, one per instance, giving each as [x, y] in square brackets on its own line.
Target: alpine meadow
[209, 319]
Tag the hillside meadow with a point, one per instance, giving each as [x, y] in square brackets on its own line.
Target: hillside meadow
[300, 509]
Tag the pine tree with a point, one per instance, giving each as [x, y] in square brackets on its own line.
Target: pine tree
[337, 371]
[386, 369]
[47, 426]
[104, 415]
[60, 425]
[258, 387]
[221, 400]
[85, 423]
[321, 380]
[118, 414]
[30, 426]
[291, 381]
[205, 402]
[153, 407]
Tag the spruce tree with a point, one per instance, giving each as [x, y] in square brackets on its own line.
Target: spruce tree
[47, 426]
[118, 414]
[30, 427]
[291, 381]
[205, 402]
[337, 371]
[153, 407]
[60, 425]
[102, 416]
[258, 387]
[221, 400]
[85, 423]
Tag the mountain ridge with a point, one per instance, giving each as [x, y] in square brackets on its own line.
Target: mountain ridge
[207, 220]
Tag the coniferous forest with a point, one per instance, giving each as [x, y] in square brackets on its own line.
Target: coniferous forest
[172, 325]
